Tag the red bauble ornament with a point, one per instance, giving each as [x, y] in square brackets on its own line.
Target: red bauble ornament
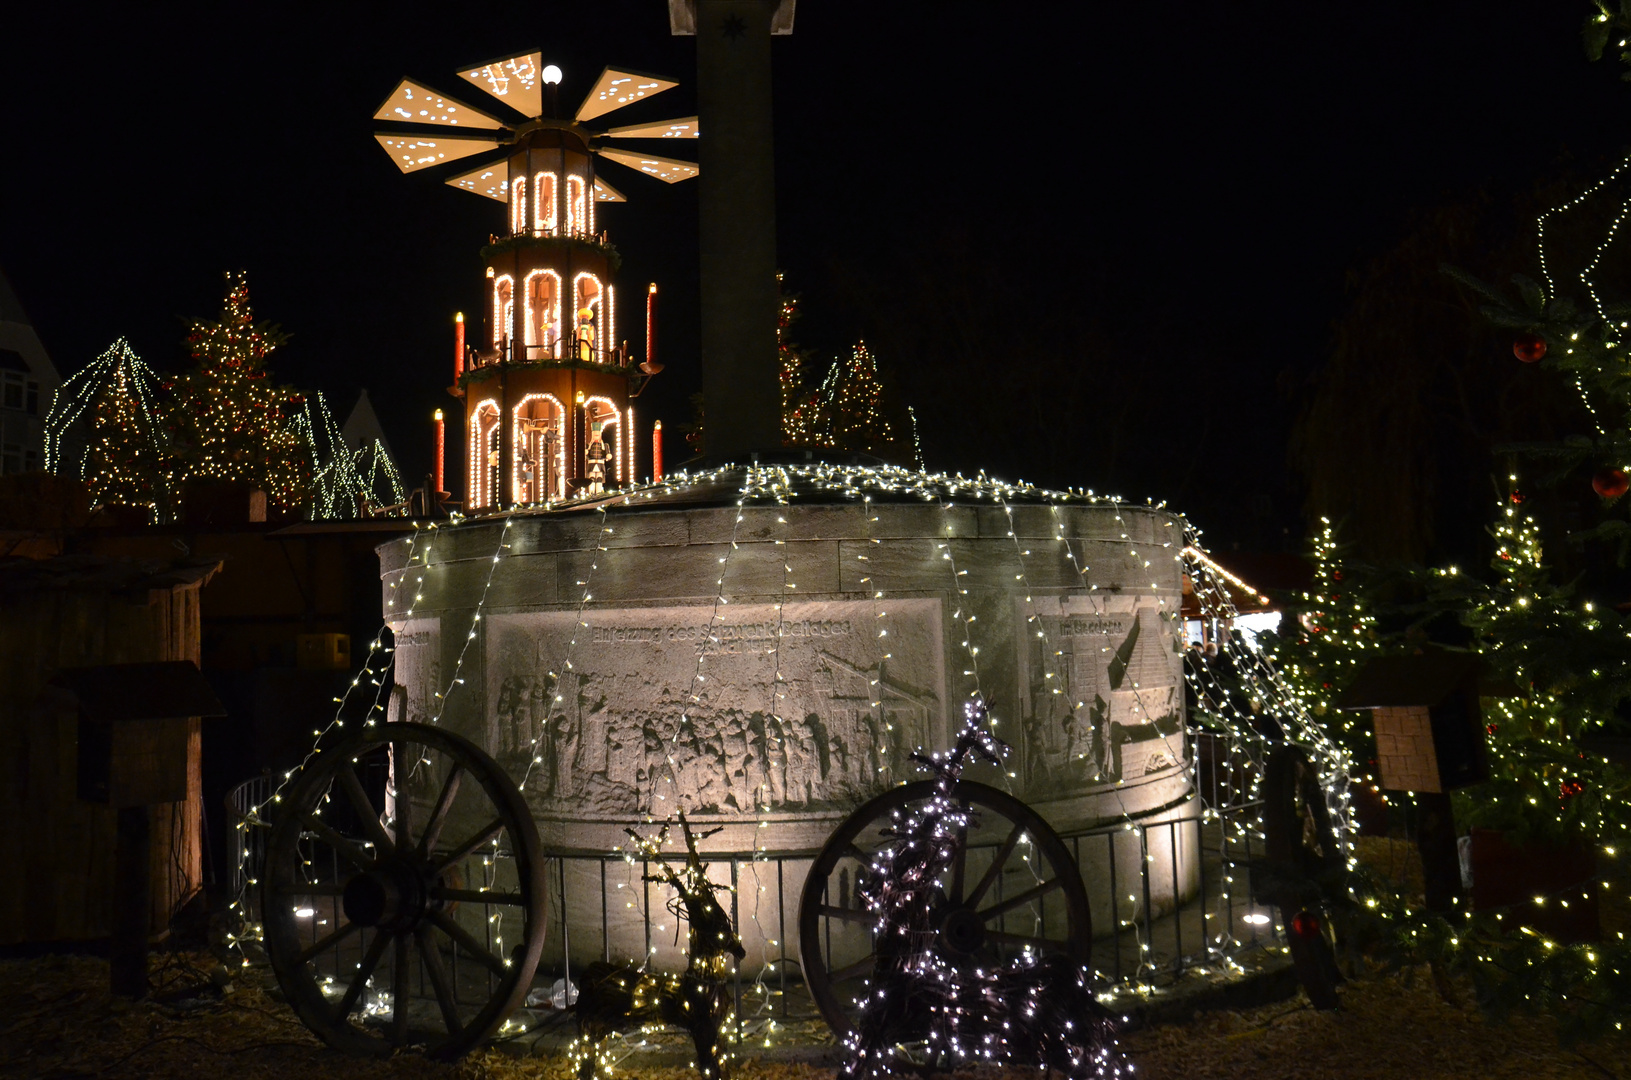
[1529, 347]
[1305, 924]
[1610, 483]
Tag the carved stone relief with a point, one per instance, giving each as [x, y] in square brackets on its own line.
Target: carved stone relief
[699, 706]
[416, 671]
[1103, 694]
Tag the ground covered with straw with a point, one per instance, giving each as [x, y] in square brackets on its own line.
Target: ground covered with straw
[57, 1020]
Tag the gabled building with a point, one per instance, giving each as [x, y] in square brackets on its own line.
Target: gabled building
[28, 382]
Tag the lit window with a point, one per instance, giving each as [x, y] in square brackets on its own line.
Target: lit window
[577, 206]
[518, 206]
[587, 322]
[543, 205]
[484, 438]
[503, 309]
[540, 449]
[543, 315]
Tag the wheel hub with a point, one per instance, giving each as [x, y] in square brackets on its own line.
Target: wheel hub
[962, 932]
[392, 898]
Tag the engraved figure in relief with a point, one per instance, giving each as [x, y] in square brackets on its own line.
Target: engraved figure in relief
[512, 694]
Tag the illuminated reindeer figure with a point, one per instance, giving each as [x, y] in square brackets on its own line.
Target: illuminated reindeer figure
[620, 997]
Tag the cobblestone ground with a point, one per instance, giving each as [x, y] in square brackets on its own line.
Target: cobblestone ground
[58, 1021]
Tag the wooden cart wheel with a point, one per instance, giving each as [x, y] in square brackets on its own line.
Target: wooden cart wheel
[1012, 885]
[403, 893]
[1300, 840]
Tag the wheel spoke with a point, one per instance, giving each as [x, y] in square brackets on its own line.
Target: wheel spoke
[438, 815]
[1036, 943]
[403, 805]
[492, 829]
[828, 911]
[370, 961]
[478, 896]
[1019, 900]
[308, 888]
[850, 971]
[959, 862]
[468, 942]
[360, 802]
[328, 941]
[352, 850]
[995, 868]
[438, 980]
[399, 990]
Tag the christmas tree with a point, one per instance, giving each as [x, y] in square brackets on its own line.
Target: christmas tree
[1334, 635]
[848, 411]
[342, 481]
[1563, 663]
[227, 422]
[797, 404]
[106, 428]
[849, 407]
[1556, 672]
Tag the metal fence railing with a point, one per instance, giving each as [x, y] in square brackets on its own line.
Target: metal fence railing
[1165, 896]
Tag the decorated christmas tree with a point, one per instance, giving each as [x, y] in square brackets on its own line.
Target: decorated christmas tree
[1563, 667]
[1554, 814]
[227, 421]
[797, 404]
[343, 481]
[1334, 634]
[849, 407]
[105, 427]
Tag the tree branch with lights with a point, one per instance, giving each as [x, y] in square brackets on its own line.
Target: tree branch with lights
[620, 997]
[1031, 1011]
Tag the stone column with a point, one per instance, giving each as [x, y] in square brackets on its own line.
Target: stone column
[737, 211]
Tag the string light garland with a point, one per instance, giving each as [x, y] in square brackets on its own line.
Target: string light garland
[345, 483]
[848, 410]
[766, 495]
[1028, 1011]
[621, 997]
[797, 402]
[106, 428]
[1564, 658]
[1548, 789]
[1334, 637]
[137, 441]
[226, 421]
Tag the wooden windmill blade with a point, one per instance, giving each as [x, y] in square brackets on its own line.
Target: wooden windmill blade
[515, 80]
[668, 170]
[616, 88]
[604, 192]
[415, 103]
[491, 180]
[414, 152]
[684, 127]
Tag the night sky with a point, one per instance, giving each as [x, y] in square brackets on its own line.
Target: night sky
[1159, 203]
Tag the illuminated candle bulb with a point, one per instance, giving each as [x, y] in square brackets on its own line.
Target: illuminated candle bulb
[651, 366]
[441, 448]
[458, 346]
[657, 450]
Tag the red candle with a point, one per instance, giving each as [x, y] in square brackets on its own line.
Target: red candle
[657, 450]
[458, 346]
[651, 326]
[441, 445]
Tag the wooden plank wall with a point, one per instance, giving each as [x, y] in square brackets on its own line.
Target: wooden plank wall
[58, 851]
